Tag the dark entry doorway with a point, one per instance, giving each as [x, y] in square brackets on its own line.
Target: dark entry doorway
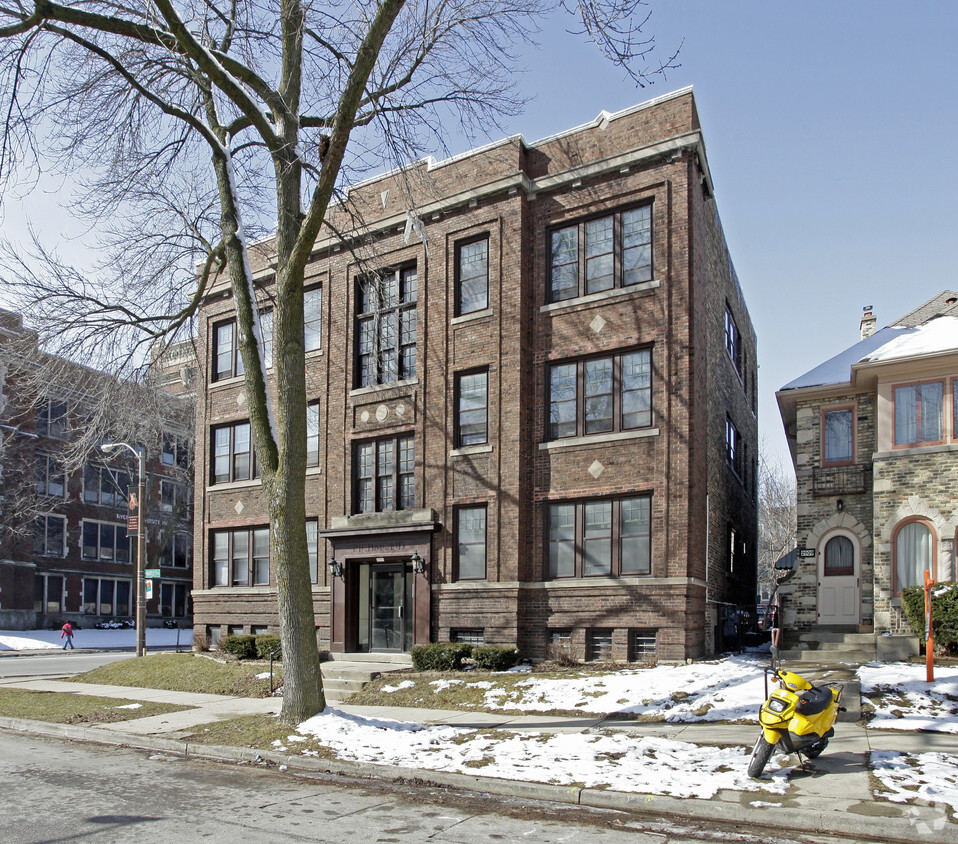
[385, 604]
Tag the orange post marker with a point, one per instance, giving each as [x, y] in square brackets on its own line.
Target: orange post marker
[929, 634]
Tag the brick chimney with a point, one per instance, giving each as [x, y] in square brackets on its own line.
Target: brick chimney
[867, 324]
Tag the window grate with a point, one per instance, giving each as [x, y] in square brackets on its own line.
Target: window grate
[598, 646]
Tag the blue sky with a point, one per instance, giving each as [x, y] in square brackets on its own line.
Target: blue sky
[830, 130]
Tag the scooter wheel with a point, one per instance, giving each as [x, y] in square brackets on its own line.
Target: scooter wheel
[761, 753]
[815, 750]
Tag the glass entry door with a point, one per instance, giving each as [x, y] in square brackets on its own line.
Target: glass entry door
[387, 608]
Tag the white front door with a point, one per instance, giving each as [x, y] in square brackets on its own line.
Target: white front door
[839, 580]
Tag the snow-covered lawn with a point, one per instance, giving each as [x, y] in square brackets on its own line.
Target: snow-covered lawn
[35, 640]
[932, 777]
[904, 700]
[594, 759]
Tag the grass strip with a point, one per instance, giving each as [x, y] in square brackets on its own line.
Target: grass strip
[260, 732]
[65, 708]
[187, 673]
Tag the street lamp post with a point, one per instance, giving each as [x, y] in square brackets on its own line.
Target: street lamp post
[140, 542]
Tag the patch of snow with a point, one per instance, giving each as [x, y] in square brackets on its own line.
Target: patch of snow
[908, 701]
[445, 684]
[263, 676]
[129, 706]
[405, 684]
[618, 761]
[931, 777]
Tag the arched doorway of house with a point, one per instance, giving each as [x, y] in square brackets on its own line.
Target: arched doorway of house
[839, 579]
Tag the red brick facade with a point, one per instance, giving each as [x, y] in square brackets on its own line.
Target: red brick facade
[672, 462]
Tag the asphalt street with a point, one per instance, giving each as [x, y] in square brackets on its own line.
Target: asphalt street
[57, 791]
[57, 663]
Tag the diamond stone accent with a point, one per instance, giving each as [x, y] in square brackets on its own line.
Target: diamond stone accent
[400, 410]
[597, 324]
[241, 399]
[596, 469]
[238, 507]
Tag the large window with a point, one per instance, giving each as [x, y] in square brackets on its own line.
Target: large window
[241, 557]
[177, 450]
[472, 403]
[472, 276]
[599, 395]
[51, 418]
[914, 553]
[386, 327]
[384, 475]
[733, 447]
[919, 413]
[227, 361]
[233, 455]
[173, 599]
[102, 485]
[105, 541]
[177, 552]
[470, 527]
[600, 537]
[839, 433]
[106, 596]
[48, 593]
[313, 318]
[312, 433]
[51, 478]
[50, 536]
[602, 253]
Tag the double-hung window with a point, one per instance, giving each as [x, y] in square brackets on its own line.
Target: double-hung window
[227, 361]
[609, 537]
[472, 408]
[600, 395]
[919, 413]
[386, 327]
[384, 475]
[599, 254]
[312, 434]
[233, 456]
[470, 527]
[472, 276]
[733, 447]
[50, 536]
[241, 557]
[839, 435]
[312, 549]
[313, 318]
[51, 478]
[177, 451]
[106, 596]
[733, 340]
[266, 327]
[51, 418]
[177, 551]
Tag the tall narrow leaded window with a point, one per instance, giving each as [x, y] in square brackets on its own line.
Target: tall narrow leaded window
[472, 276]
[227, 361]
[312, 549]
[312, 434]
[386, 327]
[471, 543]
[384, 475]
[266, 327]
[313, 318]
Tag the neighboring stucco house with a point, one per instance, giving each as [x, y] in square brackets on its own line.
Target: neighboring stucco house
[874, 440]
[531, 384]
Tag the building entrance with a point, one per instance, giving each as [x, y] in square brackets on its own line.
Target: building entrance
[385, 600]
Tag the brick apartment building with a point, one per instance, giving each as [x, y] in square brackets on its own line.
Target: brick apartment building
[531, 381]
[64, 549]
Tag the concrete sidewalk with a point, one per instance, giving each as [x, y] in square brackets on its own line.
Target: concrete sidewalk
[835, 797]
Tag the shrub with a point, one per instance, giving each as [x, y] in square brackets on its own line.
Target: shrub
[944, 614]
[242, 647]
[562, 654]
[267, 643]
[440, 656]
[496, 657]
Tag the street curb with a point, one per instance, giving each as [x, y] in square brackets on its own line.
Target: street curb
[892, 829]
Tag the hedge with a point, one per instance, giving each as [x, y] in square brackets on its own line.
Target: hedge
[496, 657]
[242, 647]
[944, 614]
[440, 656]
[267, 644]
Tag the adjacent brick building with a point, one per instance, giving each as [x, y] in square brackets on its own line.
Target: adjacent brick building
[531, 378]
[874, 437]
[64, 549]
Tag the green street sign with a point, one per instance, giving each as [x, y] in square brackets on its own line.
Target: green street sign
[152, 573]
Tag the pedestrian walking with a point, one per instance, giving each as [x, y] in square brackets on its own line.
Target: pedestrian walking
[66, 632]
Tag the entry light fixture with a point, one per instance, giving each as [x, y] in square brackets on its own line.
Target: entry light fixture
[335, 568]
[418, 564]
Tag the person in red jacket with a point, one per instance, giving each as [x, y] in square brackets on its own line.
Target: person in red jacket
[66, 632]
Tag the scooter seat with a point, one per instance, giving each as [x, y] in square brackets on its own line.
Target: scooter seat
[814, 701]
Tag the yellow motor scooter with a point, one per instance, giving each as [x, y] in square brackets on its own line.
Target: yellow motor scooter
[797, 716]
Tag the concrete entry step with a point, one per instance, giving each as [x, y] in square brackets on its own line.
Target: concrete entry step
[837, 637]
[394, 659]
[341, 679]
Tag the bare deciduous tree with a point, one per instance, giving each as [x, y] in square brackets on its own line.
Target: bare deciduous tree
[777, 516]
[196, 127]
